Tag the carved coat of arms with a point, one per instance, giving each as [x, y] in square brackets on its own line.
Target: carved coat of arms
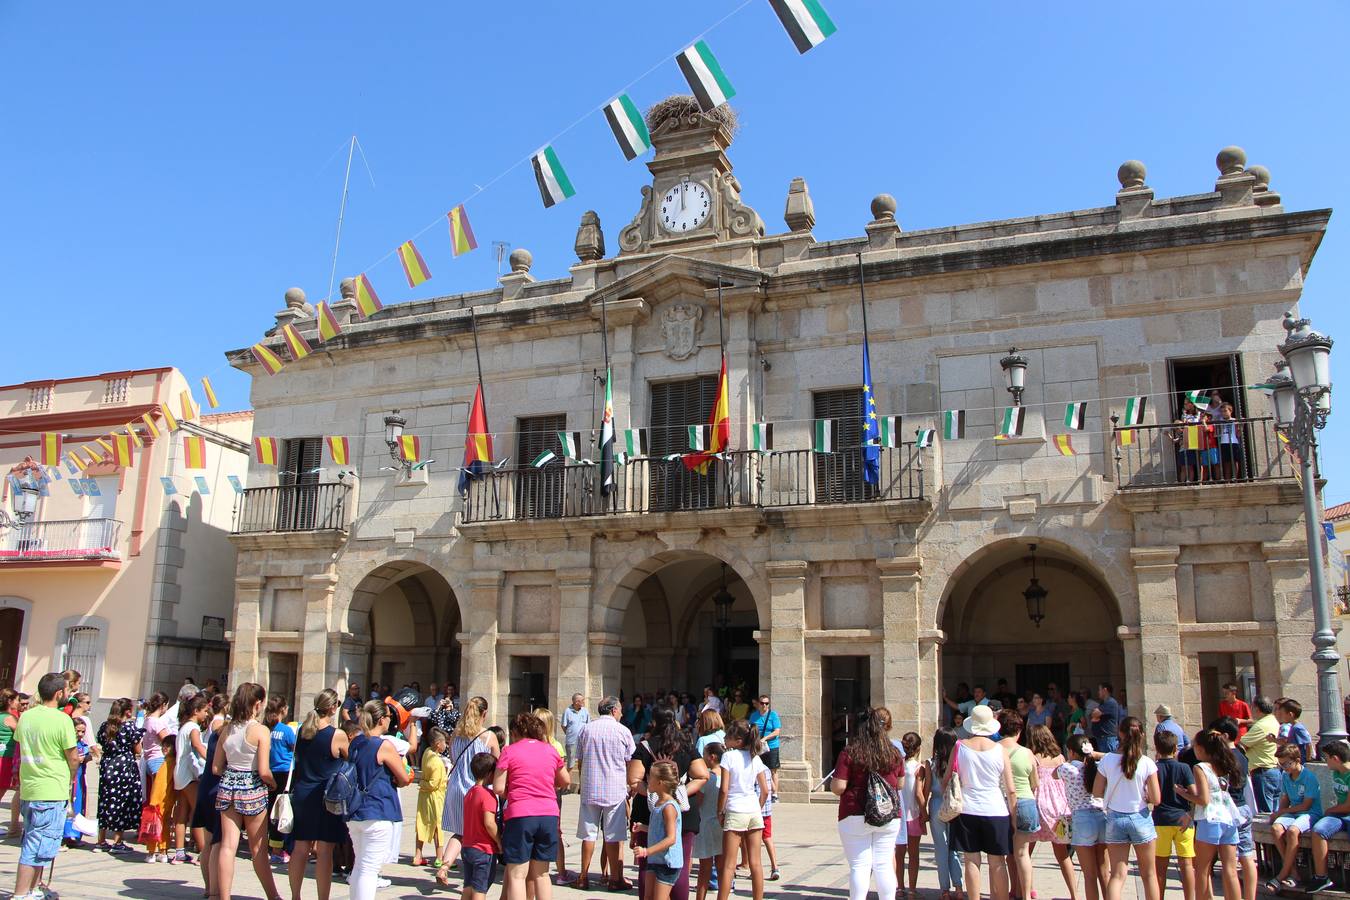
[680, 327]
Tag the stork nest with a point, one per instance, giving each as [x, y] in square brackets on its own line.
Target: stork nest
[684, 105]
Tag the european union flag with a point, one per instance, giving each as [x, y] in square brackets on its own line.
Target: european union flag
[871, 432]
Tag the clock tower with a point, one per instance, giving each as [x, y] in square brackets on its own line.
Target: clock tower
[693, 197]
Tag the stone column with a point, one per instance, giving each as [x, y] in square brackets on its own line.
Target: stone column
[479, 665]
[244, 645]
[787, 651]
[1156, 656]
[574, 613]
[902, 691]
[1294, 674]
[314, 672]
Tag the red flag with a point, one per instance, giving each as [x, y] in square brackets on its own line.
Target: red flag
[720, 421]
[477, 443]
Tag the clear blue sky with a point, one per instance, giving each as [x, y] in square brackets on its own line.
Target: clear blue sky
[169, 170]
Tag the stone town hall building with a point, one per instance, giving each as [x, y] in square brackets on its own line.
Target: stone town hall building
[785, 570]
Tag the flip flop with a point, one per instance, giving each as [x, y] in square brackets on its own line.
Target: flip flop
[623, 884]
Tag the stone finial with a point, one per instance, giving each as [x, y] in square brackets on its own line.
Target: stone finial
[1231, 160]
[295, 298]
[1262, 195]
[590, 244]
[521, 260]
[347, 289]
[883, 208]
[513, 282]
[345, 307]
[800, 212]
[1131, 175]
[297, 308]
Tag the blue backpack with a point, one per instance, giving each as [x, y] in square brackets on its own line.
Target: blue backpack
[342, 794]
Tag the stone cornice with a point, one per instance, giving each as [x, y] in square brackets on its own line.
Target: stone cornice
[290, 540]
[1209, 496]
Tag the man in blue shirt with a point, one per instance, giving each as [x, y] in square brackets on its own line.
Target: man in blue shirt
[766, 720]
[574, 719]
[1105, 729]
[1167, 723]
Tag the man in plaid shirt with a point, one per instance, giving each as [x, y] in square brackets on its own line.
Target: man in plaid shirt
[605, 748]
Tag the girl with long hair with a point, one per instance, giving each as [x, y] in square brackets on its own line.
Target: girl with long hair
[242, 763]
[189, 763]
[159, 729]
[868, 849]
[936, 774]
[1088, 822]
[281, 760]
[1215, 816]
[380, 772]
[1127, 782]
[119, 776]
[1052, 804]
[472, 737]
[914, 796]
[319, 751]
[739, 807]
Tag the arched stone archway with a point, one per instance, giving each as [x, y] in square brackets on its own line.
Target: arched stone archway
[402, 623]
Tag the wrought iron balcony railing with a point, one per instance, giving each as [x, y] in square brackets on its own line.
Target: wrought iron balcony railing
[1244, 450]
[62, 539]
[292, 507]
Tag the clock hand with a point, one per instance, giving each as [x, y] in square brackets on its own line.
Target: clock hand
[683, 187]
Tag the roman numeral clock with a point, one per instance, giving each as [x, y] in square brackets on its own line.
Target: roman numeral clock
[693, 197]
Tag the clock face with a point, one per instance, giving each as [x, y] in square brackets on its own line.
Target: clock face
[685, 207]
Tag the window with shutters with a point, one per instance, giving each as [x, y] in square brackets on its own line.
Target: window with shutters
[839, 475]
[81, 654]
[675, 406]
[539, 491]
[299, 476]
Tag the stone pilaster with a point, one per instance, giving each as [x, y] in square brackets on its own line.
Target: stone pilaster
[1289, 671]
[902, 687]
[787, 651]
[248, 591]
[315, 674]
[1153, 662]
[574, 607]
[479, 666]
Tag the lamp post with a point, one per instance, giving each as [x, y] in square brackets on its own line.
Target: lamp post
[393, 435]
[1015, 370]
[722, 603]
[1035, 594]
[1302, 401]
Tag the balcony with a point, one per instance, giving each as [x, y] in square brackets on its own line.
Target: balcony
[61, 540]
[290, 508]
[741, 479]
[1158, 457]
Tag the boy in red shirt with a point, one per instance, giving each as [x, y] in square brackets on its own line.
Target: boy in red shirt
[481, 837]
[1234, 708]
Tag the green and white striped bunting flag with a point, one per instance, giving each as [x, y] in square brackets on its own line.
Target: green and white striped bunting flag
[1011, 423]
[554, 185]
[1199, 398]
[628, 126]
[953, 424]
[806, 22]
[705, 76]
[571, 444]
[544, 459]
[671, 457]
[699, 436]
[635, 441]
[824, 436]
[1134, 410]
[1075, 416]
[888, 431]
[923, 438]
[761, 436]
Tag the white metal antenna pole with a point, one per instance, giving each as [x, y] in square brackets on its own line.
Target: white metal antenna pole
[342, 210]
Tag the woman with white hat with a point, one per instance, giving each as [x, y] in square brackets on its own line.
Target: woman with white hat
[984, 825]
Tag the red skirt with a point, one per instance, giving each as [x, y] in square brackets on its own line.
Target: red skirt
[9, 772]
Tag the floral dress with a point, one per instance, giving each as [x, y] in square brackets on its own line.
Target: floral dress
[119, 780]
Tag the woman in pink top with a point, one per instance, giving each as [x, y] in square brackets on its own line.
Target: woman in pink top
[529, 775]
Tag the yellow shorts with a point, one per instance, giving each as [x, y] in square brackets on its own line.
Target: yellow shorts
[1183, 839]
[742, 822]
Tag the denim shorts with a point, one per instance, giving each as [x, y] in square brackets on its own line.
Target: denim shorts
[478, 868]
[1130, 828]
[44, 821]
[1216, 833]
[1302, 821]
[1328, 827]
[1089, 827]
[1246, 841]
[1028, 817]
[665, 874]
[526, 838]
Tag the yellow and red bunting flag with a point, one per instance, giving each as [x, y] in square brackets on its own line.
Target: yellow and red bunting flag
[1064, 444]
[105, 444]
[270, 362]
[296, 342]
[477, 443]
[150, 425]
[410, 448]
[91, 455]
[123, 454]
[49, 448]
[186, 406]
[194, 451]
[461, 232]
[366, 299]
[265, 450]
[1192, 437]
[328, 323]
[1125, 437]
[135, 435]
[339, 450]
[413, 265]
[169, 420]
[210, 393]
[76, 460]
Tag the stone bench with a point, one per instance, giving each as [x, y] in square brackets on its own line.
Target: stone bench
[1268, 858]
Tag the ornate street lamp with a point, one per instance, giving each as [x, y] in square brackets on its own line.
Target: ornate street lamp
[722, 603]
[1035, 594]
[1015, 370]
[24, 501]
[393, 433]
[1302, 402]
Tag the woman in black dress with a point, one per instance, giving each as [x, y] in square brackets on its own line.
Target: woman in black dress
[319, 751]
[666, 740]
[119, 776]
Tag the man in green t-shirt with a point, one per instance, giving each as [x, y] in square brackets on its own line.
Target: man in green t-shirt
[48, 761]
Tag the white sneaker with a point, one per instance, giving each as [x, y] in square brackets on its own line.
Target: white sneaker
[382, 882]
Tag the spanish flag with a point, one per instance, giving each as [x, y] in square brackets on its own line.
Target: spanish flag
[265, 449]
[135, 435]
[91, 455]
[1125, 437]
[328, 323]
[295, 341]
[194, 451]
[338, 449]
[477, 443]
[1064, 444]
[76, 460]
[720, 423]
[210, 393]
[123, 454]
[49, 448]
[105, 444]
[366, 299]
[150, 425]
[169, 420]
[461, 232]
[185, 404]
[410, 448]
[1192, 437]
[413, 265]
[270, 362]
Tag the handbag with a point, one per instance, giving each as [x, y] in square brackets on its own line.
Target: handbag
[283, 815]
[953, 800]
[152, 825]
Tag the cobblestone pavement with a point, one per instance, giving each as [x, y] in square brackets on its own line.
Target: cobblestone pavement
[804, 836]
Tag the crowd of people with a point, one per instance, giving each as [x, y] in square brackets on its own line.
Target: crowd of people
[231, 776]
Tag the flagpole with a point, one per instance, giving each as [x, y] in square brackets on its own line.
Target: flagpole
[342, 210]
[604, 350]
[722, 347]
[862, 294]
